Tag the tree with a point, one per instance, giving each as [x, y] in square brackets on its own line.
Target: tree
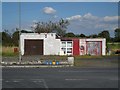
[15, 38]
[105, 34]
[93, 36]
[6, 38]
[70, 34]
[117, 35]
[56, 27]
[24, 31]
[82, 35]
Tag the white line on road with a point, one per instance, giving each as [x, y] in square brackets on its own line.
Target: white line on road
[37, 81]
[16, 81]
[45, 84]
[7, 81]
[41, 80]
[75, 79]
[84, 71]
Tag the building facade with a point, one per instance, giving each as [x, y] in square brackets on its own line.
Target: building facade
[48, 44]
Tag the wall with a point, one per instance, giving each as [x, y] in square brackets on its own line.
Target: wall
[51, 44]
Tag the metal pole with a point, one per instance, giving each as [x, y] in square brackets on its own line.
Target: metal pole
[20, 58]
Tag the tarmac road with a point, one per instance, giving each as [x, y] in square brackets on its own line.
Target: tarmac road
[69, 77]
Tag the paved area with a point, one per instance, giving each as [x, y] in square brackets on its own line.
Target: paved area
[69, 77]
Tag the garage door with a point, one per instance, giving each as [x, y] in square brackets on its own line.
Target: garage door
[94, 48]
[33, 47]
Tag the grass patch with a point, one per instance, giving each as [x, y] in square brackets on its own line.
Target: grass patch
[95, 63]
[113, 46]
[9, 51]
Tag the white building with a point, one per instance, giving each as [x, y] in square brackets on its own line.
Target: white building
[48, 44]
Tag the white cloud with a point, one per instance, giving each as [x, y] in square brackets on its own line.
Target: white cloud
[91, 24]
[89, 16]
[49, 10]
[76, 17]
[110, 18]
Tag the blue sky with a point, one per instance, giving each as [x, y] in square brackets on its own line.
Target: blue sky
[60, 0]
[0, 16]
[84, 17]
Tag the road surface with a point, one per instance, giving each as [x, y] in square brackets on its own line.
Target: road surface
[69, 77]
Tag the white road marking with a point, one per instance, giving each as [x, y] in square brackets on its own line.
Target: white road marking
[7, 81]
[16, 81]
[37, 81]
[41, 80]
[45, 84]
[83, 71]
[76, 79]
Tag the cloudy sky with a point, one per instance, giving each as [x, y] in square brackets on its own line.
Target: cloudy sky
[84, 17]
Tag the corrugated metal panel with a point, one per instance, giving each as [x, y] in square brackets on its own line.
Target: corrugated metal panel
[76, 47]
[94, 48]
[33, 47]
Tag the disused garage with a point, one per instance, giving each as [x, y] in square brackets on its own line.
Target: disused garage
[33, 47]
[39, 44]
[48, 44]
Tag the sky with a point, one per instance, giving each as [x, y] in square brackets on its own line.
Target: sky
[60, 0]
[84, 17]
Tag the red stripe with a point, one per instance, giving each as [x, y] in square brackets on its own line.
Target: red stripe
[101, 47]
[76, 47]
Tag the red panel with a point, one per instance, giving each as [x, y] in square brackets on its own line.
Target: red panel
[101, 47]
[76, 47]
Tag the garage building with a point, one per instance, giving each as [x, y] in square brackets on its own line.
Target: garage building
[49, 44]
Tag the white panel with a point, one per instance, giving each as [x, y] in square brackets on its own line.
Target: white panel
[51, 46]
[104, 47]
[82, 43]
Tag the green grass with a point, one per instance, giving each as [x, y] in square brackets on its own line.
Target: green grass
[113, 46]
[96, 63]
[8, 51]
[9, 54]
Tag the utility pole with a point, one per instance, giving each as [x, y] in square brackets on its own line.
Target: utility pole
[20, 58]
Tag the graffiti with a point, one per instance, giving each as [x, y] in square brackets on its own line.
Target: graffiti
[82, 50]
[81, 47]
[94, 48]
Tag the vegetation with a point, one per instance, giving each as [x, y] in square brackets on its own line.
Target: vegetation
[117, 35]
[48, 27]
[9, 51]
